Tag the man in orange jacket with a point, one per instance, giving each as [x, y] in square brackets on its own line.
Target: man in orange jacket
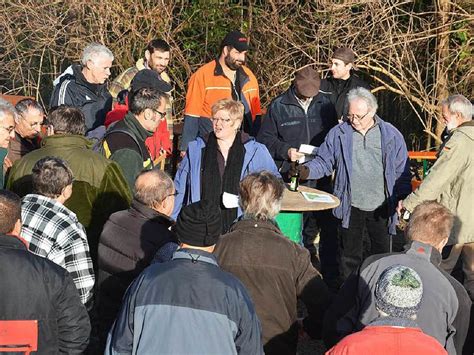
[224, 77]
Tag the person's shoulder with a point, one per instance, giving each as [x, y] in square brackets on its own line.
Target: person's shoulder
[205, 69]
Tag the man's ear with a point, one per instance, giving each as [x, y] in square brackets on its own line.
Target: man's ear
[16, 229]
[147, 55]
[67, 191]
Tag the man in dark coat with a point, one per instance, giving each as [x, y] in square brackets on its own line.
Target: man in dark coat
[84, 85]
[275, 270]
[130, 240]
[34, 288]
[304, 115]
[342, 80]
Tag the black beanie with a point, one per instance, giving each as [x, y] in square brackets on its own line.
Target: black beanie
[199, 224]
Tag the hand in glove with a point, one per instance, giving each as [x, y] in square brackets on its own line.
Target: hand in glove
[303, 170]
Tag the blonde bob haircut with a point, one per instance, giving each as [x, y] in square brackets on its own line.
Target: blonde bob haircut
[430, 223]
[260, 195]
[234, 108]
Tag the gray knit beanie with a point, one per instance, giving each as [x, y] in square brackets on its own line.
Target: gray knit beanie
[398, 291]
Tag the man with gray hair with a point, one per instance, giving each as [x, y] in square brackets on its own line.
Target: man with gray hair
[83, 85]
[27, 129]
[450, 183]
[7, 132]
[52, 230]
[370, 160]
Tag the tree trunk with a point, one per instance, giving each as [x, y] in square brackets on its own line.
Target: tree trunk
[442, 52]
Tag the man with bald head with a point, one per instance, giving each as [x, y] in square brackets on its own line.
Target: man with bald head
[131, 238]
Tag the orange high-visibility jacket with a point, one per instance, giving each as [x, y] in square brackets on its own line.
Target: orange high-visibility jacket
[209, 84]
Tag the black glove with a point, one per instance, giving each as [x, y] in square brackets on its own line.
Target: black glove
[302, 169]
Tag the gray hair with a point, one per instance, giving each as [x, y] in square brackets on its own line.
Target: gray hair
[24, 105]
[7, 108]
[459, 104]
[363, 94]
[94, 50]
[152, 186]
[260, 195]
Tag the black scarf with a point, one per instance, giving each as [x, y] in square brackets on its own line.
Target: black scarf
[212, 186]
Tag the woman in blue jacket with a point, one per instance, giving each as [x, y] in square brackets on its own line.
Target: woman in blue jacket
[215, 164]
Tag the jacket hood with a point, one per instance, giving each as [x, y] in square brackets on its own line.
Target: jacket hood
[467, 128]
[69, 71]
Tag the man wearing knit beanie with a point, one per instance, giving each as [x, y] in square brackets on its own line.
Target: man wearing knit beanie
[342, 80]
[398, 295]
[188, 305]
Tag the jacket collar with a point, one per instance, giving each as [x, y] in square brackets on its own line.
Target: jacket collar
[195, 255]
[150, 213]
[136, 128]
[61, 140]
[242, 75]
[289, 98]
[424, 251]
[12, 242]
[245, 223]
[81, 80]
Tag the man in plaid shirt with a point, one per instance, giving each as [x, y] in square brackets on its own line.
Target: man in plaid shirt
[52, 230]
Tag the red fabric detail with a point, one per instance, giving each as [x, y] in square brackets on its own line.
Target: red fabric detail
[421, 250]
[117, 114]
[159, 141]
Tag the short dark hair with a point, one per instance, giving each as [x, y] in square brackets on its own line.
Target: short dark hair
[152, 186]
[10, 211]
[22, 106]
[50, 176]
[144, 98]
[157, 45]
[67, 120]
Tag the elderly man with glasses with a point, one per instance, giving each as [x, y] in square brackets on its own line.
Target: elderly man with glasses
[370, 161]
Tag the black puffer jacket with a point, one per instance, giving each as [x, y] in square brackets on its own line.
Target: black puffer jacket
[34, 288]
[94, 100]
[286, 125]
[338, 90]
[127, 245]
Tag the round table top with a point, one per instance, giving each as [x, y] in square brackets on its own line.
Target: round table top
[296, 202]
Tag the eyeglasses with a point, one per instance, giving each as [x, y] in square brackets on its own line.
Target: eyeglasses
[162, 114]
[356, 118]
[8, 129]
[225, 121]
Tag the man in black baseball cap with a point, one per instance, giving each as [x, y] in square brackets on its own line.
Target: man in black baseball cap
[226, 77]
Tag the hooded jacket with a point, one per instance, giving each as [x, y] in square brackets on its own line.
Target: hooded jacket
[35, 288]
[450, 182]
[73, 89]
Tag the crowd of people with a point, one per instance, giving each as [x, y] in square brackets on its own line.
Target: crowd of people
[111, 254]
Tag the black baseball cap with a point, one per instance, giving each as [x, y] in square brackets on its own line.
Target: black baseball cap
[237, 40]
[147, 78]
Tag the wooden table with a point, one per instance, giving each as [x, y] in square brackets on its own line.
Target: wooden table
[295, 201]
[293, 204]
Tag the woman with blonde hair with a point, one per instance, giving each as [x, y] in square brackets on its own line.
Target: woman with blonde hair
[215, 164]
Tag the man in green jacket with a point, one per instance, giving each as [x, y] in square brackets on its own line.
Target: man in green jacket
[125, 141]
[99, 187]
[450, 182]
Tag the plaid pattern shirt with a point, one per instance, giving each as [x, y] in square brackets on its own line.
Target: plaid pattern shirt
[54, 232]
